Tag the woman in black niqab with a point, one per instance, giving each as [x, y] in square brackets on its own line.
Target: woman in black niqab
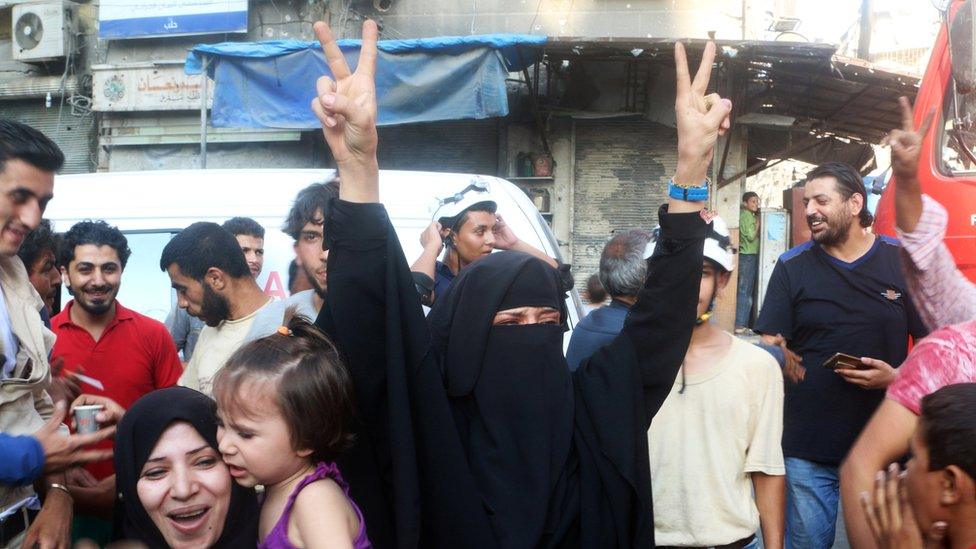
[141, 427]
[510, 389]
[561, 459]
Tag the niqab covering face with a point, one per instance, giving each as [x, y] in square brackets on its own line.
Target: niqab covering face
[510, 389]
[141, 427]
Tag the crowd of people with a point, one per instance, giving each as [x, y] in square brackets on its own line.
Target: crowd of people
[343, 416]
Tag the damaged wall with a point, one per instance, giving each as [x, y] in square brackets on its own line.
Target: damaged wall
[622, 168]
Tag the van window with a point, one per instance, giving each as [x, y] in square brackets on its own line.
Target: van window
[145, 288]
[958, 134]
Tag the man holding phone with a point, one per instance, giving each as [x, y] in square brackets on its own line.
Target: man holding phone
[842, 292]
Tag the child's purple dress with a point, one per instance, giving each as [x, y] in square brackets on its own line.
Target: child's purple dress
[278, 537]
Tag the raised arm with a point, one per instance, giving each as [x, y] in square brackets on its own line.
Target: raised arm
[357, 234]
[940, 291]
[506, 239]
[660, 324]
[346, 107]
[621, 386]
[906, 147]
[701, 118]
[406, 456]
[432, 244]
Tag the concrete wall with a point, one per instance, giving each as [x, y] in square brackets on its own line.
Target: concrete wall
[619, 18]
[225, 156]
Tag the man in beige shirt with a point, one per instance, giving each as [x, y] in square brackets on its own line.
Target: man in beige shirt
[718, 435]
[28, 162]
[213, 283]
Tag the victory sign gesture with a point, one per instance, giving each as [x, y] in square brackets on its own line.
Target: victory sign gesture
[906, 149]
[700, 119]
[906, 143]
[346, 107]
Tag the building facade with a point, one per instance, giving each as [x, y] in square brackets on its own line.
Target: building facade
[597, 111]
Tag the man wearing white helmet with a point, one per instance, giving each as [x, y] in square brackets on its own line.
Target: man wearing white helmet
[716, 440]
[467, 228]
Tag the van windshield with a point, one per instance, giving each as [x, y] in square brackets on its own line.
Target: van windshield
[958, 134]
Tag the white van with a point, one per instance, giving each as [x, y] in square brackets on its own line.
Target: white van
[150, 207]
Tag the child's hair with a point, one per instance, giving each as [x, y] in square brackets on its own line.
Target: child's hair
[313, 389]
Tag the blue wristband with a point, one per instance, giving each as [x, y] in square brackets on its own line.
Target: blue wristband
[690, 194]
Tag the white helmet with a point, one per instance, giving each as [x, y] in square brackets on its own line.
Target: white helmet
[718, 246]
[478, 191]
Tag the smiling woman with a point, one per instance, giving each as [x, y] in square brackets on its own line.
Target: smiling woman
[174, 490]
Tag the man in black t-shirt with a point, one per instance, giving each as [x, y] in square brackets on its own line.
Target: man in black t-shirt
[843, 292]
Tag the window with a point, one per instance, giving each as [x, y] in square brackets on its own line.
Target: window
[958, 134]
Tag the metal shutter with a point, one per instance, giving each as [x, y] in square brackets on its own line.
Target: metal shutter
[75, 137]
[460, 146]
[622, 168]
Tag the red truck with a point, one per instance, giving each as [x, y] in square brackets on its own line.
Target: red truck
[947, 167]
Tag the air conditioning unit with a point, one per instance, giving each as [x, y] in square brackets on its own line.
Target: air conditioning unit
[42, 31]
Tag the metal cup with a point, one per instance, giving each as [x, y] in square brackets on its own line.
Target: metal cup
[85, 421]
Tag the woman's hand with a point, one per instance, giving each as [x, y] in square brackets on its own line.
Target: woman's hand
[346, 107]
[700, 119]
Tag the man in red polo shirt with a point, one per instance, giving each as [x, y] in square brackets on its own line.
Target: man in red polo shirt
[128, 354]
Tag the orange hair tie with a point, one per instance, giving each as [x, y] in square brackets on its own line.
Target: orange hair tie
[283, 330]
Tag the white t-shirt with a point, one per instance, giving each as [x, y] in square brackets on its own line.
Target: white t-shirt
[304, 304]
[216, 344]
[9, 340]
[704, 443]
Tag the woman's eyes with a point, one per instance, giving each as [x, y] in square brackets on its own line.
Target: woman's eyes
[157, 473]
[154, 474]
[206, 463]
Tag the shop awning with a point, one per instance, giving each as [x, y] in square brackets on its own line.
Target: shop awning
[271, 84]
[799, 100]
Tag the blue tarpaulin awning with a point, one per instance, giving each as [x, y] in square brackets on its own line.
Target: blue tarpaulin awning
[271, 84]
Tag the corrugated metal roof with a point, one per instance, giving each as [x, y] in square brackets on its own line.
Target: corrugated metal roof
[826, 93]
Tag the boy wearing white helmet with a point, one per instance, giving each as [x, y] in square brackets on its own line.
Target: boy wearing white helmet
[716, 440]
[467, 227]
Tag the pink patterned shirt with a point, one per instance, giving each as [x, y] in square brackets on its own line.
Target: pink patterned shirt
[941, 293]
[945, 357]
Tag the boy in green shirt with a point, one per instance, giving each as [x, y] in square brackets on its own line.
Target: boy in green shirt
[748, 259]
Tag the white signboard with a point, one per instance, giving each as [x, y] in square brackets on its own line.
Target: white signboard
[145, 18]
[773, 242]
[146, 87]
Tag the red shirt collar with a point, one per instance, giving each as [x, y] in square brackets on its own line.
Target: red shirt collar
[64, 317]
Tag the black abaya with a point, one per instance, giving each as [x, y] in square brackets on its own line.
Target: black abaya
[414, 471]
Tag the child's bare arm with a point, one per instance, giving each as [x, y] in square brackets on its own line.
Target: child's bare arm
[323, 518]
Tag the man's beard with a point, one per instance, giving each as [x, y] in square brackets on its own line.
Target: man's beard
[320, 290]
[215, 307]
[94, 309]
[837, 231]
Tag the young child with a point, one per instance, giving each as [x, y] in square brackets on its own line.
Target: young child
[269, 435]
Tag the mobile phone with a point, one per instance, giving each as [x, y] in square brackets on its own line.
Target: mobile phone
[841, 361]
